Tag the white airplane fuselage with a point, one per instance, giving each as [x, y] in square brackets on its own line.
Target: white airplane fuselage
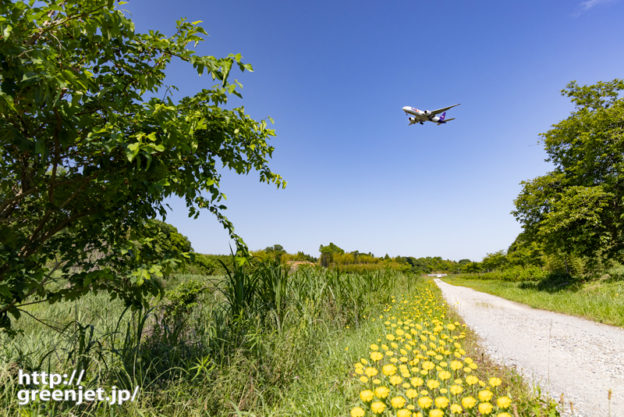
[421, 116]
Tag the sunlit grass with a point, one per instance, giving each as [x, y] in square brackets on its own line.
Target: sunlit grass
[598, 300]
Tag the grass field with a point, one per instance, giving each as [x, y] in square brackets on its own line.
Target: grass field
[253, 343]
[598, 300]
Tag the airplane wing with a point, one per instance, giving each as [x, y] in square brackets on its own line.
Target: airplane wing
[434, 112]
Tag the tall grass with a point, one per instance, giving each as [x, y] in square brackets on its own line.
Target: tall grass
[212, 346]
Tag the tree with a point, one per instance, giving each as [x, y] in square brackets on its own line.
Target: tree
[578, 208]
[91, 146]
[494, 261]
[328, 252]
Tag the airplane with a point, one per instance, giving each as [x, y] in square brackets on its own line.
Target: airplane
[421, 116]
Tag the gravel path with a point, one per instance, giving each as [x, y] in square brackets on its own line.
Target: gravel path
[563, 354]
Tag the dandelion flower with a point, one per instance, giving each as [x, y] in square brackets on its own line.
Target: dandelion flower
[468, 402]
[404, 413]
[471, 379]
[485, 395]
[441, 402]
[411, 393]
[378, 407]
[433, 384]
[382, 392]
[389, 369]
[370, 371]
[397, 402]
[366, 395]
[395, 380]
[503, 402]
[456, 408]
[357, 412]
[444, 375]
[495, 382]
[485, 408]
[425, 402]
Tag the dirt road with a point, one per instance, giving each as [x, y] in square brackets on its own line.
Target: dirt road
[563, 354]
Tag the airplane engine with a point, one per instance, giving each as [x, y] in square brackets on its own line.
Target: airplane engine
[412, 120]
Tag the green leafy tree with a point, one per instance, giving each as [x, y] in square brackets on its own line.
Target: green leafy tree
[328, 252]
[578, 208]
[90, 147]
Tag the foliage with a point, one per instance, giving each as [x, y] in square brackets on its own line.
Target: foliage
[578, 208]
[196, 350]
[90, 151]
[328, 252]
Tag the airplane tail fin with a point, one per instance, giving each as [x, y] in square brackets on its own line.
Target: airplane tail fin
[443, 116]
[445, 121]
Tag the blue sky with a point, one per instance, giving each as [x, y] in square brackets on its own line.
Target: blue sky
[334, 76]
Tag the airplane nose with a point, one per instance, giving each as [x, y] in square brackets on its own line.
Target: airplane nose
[407, 108]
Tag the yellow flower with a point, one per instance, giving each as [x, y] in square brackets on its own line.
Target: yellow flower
[411, 393]
[504, 415]
[503, 402]
[374, 347]
[456, 408]
[378, 407]
[485, 395]
[456, 389]
[364, 379]
[444, 375]
[382, 392]
[416, 382]
[455, 365]
[357, 412]
[485, 408]
[471, 379]
[436, 413]
[389, 369]
[397, 402]
[390, 336]
[433, 384]
[468, 402]
[376, 381]
[428, 365]
[395, 380]
[366, 395]
[495, 382]
[370, 371]
[376, 356]
[404, 413]
[441, 402]
[425, 402]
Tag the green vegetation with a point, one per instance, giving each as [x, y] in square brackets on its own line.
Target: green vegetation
[211, 346]
[600, 300]
[92, 143]
[258, 341]
[569, 255]
[334, 257]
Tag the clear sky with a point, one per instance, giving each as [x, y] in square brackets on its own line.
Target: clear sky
[334, 76]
